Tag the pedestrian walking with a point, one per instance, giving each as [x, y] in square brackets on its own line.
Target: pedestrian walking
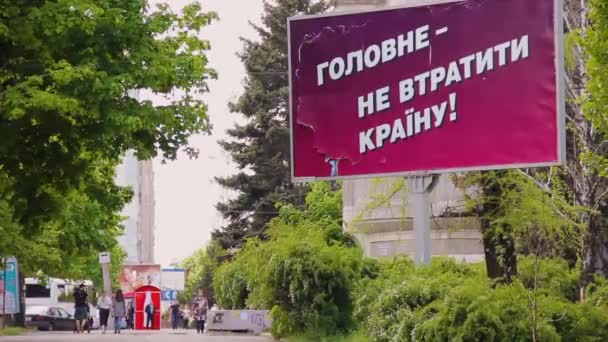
[104, 304]
[186, 318]
[118, 310]
[175, 315]
[81, 307]
[131, 316]
[200, 305]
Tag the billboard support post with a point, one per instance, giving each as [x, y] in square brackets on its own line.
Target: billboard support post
[421, 188]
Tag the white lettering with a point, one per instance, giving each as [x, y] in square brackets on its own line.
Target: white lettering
[467, 62]
[382, 133]
[484, 61]
[405, 43]
[422, 37]
[502, 52]
[519, 49]
[437, 76]
[439, 113]
[406, 90]
[358, 55]
[389, 50]
[421, 79]
[366, 105]
[453, 74]
[320, 68]
[382, 101]
[365, 141]
[369, 61]
[398, 131]
[410, 122]
[336, 73]
[425, 120]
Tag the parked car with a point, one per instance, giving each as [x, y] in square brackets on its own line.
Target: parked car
[94, 312]
[49, 318]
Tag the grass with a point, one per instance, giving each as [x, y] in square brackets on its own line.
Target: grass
[13, 331]
[354, 337]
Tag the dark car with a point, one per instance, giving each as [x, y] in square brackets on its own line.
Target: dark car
[49, 318]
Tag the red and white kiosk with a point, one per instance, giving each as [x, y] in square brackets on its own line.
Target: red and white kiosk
[142, 296]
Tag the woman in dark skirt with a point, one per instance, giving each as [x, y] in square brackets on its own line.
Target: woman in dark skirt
[81, 307]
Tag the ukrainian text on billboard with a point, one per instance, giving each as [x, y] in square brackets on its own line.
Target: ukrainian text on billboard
[448, 87]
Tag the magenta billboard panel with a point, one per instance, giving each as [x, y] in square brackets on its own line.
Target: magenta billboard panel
[467, 85]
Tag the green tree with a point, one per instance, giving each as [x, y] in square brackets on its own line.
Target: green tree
[304, 272]
[68, 114]
[201, 267]
[517, 209]
[68, 72]
[589, 174]
[260, 147]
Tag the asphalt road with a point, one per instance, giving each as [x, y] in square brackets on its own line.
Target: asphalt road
[130, 336]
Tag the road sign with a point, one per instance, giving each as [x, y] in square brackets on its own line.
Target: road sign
[168, 295]
[104, 257]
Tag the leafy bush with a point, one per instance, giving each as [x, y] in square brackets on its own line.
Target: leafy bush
[554, 277]
[304, 272]
[451, 301]
[230, 284]
[402, 296]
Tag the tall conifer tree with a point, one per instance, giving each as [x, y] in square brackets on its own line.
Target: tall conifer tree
[260, 147]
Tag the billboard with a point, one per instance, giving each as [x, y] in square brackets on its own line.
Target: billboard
[9, 289]
[447, 87]
[133, 277]
[173, 278]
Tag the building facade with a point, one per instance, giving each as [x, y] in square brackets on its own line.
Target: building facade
[138, 237]
[377, 211]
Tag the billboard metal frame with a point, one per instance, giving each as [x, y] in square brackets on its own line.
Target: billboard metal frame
[558, 28]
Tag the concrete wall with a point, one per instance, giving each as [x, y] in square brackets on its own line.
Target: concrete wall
[387, 230]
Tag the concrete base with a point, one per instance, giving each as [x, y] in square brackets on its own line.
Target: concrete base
[255, 321]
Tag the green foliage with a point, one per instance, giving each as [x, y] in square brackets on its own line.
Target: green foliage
[553, 277]
[14, 331]
[304, 273]
[68, 114]
[532, 210]
[230, 286]
[201, 267]
[260, 146]
[353, 337]
[451, 301]
[69, 68]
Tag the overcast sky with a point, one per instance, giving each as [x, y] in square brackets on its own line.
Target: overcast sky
[185, 190]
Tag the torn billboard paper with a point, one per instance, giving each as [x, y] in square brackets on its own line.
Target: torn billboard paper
[467, 85]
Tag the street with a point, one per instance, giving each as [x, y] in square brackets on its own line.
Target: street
[130, 336]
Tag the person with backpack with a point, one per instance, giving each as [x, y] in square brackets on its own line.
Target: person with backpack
[81, 307]
[118, 310]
